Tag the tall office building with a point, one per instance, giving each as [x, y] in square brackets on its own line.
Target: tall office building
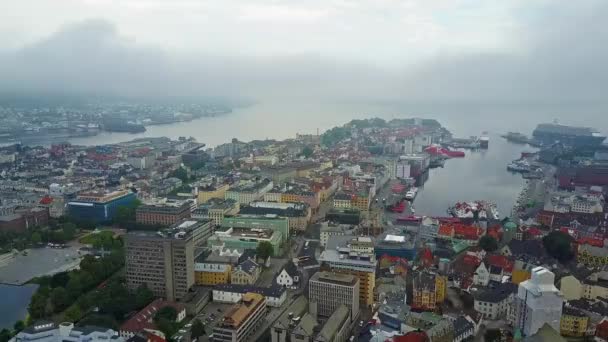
[538, 302]
[354, 256]
[163, 260]
[241, 321]
[329, 290]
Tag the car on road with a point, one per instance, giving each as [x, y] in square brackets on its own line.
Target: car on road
[189, 325]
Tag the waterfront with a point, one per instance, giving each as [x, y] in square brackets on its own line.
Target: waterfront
[282, 120]
[15, 302]
[480, 175]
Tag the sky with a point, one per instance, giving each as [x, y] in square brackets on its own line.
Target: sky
[365, 50]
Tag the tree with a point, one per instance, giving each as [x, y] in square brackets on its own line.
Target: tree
[264, 250]
[60, 279]
[36, 238]
[143, 296]
[166, 313]
[488, 243]
[167, 327]
[559, 245]
[307, 152]
[69, 230]
[198, 329]
[73, 313]
[5, 335]
[74, 286]
[37, 307]
[19, 325]
[180, 173]
[60, 299]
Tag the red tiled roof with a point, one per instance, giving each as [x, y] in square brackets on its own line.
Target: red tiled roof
[445, 230]
[144, 319]
[46, 200]
[500, 261]
[591, 241]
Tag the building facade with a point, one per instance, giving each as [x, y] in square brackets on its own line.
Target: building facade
[162, 261]
[538, 302]
[162, 213]
[328, 290]
[207, 193]
[241, 322]
[99, 207]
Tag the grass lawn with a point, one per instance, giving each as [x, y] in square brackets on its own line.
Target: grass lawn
[92, 238]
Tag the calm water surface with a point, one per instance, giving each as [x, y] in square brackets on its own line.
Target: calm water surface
[15, 300]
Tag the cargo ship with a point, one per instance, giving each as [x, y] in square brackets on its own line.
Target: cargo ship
[481, 210]
[550, 133]
[123, 126]
[516, 137]
[436, 150]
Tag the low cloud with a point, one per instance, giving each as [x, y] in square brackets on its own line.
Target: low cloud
[561, 60]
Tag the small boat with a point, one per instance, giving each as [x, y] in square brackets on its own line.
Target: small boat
[519, 166]
[411, 194]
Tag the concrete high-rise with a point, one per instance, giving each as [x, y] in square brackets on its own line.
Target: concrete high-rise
[164, 261]
[538, 301]
[328, 290]
[354, 256]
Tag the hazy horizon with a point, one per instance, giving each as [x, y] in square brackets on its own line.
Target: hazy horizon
[381, 51]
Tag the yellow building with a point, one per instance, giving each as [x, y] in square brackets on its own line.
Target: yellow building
[592, 256]
[518, 276]
[205, 194]
[211, 278]
[441, 286]
[573, 323]
[429, 289]
[360, 202]
[246, 273]
[592, 287]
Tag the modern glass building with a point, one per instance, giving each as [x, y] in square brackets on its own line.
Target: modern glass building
[99, 207]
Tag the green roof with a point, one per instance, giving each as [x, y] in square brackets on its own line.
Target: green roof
[510, 225]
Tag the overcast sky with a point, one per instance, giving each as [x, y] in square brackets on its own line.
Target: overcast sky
[419, 50]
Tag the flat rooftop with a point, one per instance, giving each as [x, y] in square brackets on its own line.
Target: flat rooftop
[335, 278]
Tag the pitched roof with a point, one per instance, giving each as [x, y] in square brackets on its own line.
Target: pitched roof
[501, 261]
[527, 247]
[291, 269]
[494, 294]
[462, 325]
[249, 266]
[144, 319]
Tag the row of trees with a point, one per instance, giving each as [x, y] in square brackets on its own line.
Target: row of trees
[59, 292]
[56, 233]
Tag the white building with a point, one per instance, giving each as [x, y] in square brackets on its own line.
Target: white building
[65, 332]
[233, 293]
[538, 302]
[494, 303]
[482, 275]
[289, 275]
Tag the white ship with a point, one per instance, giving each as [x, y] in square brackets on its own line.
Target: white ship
[484, 209]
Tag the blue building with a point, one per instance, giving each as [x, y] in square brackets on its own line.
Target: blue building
[99, 207]
[395, 245]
